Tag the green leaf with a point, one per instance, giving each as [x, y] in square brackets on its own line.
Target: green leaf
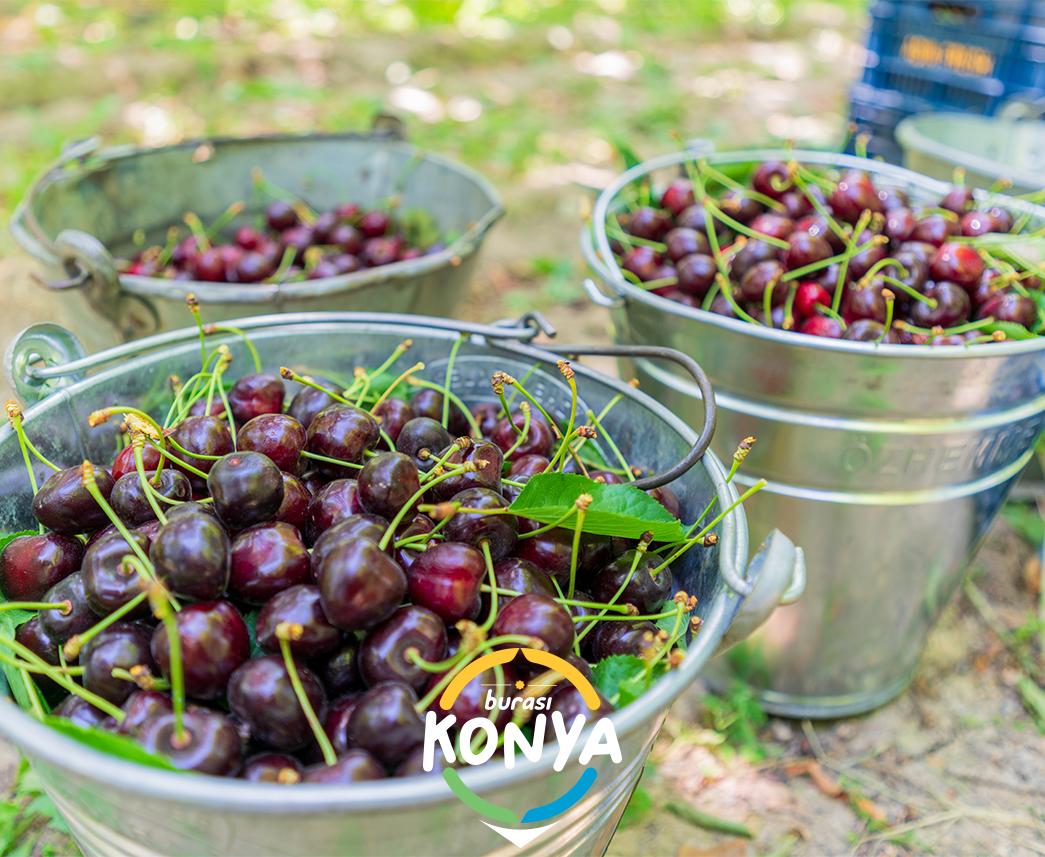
[419, 226]
[615, 510]
[6, 539]
[621, 679]
[11, 677]
[1025, 520]
[251, 620]
[627, 154]
[108, 742]
[667, 624]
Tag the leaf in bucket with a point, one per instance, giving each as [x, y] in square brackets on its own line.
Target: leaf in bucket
[109, 742]
[7, 538]
[615, 510]
[11, 677]
[621, 678]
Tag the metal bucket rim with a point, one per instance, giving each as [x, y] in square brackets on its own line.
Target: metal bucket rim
[597, 250]
[39, 741]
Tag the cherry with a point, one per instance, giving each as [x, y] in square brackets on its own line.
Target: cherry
[247, 488]
[808, 295]
[853, 195]
[795, 204]
[917, 269]
[773, 225]
[80, 712]
[298, 238]
[413, 764]
[677, 196]
[953, 306]
[621, 638]
[272, 768]
[539, 616]
[568, 702]
[261, 694]
[208, 266]
[649, 223]
[352, 528]
[344, 432]
[347, 238]
[340, 671]
[383, 652]
[805, 249]
[333, 503]
[957, 199]
[750, 255]
[214, 642]
[393, 414]
[140, 707]
[213, 745]
[539, 440]
[739, 206]
[976, 223]
[644, 590]
[863, 261]
[934, 229]
[958, 263]
[899, 224]
[470, 701]
[30, 565]
[335, 724]
[893, 197]
[498, 531]
[355, 766]
[122, 645]
[253, 395]
[253, 267]
[296, 501]
[821, 325]
[387, 482]
[279, 215]
[32, 635]
[868, 330]
[423, 433]
[360, 585]
[192, 554]
[865, 300]
[918, 249]
[1010, 307]
[64, 505]
[817, 225]
[124, 461]
[487, 458]
[446, 578]
[420, 525]
[60, 625]
[385, 722]
[758, 278]
[641, 261]
[721, 306]
[267, 559]
[522, 468]
[1002, 219]
[345, 263]
[215, 409]
[487, 415]
[298, 605]
[550, 552]
[109, 583]
[309, 402]
[374, 224]
[202, 435]
[683, 241]
[695, 274]
[520, 575]
[132, 506]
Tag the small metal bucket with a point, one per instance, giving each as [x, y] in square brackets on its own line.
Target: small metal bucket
[117, 808]
[887, 464]
[85, 208]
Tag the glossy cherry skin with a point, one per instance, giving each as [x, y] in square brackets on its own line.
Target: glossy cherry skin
[333, 503]
[356, 766]
[280, 215]
[108, 583]
[272, 768]
[413, 764]
[869, 330]
[470, 701]
[695, 274]
[60, 625]
[122, 645]
[953, 306]
[266, 560]
[539, 439]
[387, 482]
[299, 605]
[489, 463]
[539, 616]
[427, 402]
[805, 249]
[773, 225]
[695, 217]
[192, 556]
[620, 638]
[899, 224]
[308, 402]
[247, 488]
[140, 707]
[31, 635]
[772, 179]
[385, 723]
[865, 300]
[340, 671]
[62, 504]
[1009, 306]
[360, 585]
[683, 241]
[821, 325]
[362, 526]
[807, 296]
[213, 746]
[487, 415]
[423, 433]
[124, 461]
[520, 575]
[81, 713]
[957, 199]
[739, 205]
[677, 196]
[335, 723]
[853, 195]
[649, 223]
[261, 694]
[392, 414]
[214, 642]
[296, 501]
[382, 654]
[640, 261]
[343, 432]
[30, 565]
[958, 263]
[446, 579]
[934, 229]
[500, 532]
[278, 436]
[253, 395]
[130, 503]
[645, 590]
[866, 259]
[758, 278]
[522, 468]
[419, 525]
[568, 702]
[551, 552]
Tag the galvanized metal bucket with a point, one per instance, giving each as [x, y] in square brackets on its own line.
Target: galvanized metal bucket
[84, 210]
[886, 463]
[117, 808]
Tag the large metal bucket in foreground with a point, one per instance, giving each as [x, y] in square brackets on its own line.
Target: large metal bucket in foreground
[85, 209]
[886, 463]
[120, 809]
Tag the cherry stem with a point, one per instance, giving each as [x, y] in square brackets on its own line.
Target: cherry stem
[558, 522]
[448, 379]
[417, 367]
[74, 645]
[831, 312]
[789, 304]
[467, 467]
[843, 268]
[285, 263]
[462, 659]
[159, 599]
[738, 310]
[521, 434]
[812, 267]
[628, 617]
[677, 630]
[65, 606]
[613, 601]
[947, 331]
[887, 262]
[800, 175]
[739, 455]
[747, 231]
[751, 193]
[890, 300]
[309, 381]
[567, 372]
[484, 546]
[909, 291]
[141, 680]
[581, 504]
[242, 334]
[422, 537]
[595, 420]
[285, 631]
[14, 416]
[88, 481]
[326, 459]
[143, 479]
[614, 230]
[440, 462]
[518, 385]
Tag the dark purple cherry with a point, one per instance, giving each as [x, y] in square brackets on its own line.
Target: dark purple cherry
[214, 642]
[958, 263]
[682, 242]
[253, 395]
[419, 525]
[863, 261]
[774, 225]
[308, 402]
[124, 461]
[266, 560]
[805, 249]
[487, 415]
[62, 504]
[868, 330]
[335, 723]
[387, 482]
[340, 671]
[759, 278]
[298, 605]
[677, 196]
[192, 554]
[489, 462]
[899, 224]
[211, 743]
[356, 766]
[935, 229]
[385, 723]
[854, 194]
[522, 469]
[446, 578]
[620, 638]
[695, 274]
[392, 414]
[649, 223]
[296, 501]
[343, 432]
[865, 300]
[261, 694]
[423, 433]
[772, 179]
[278, 436]
[383, 654]
[80, 712]
[247, 488]
[539, 440]
[129, 501]
[332, 504]
[108, 582]
[645, 590]
[640, 261]
[751, 254]
[958, 199]
[539, 616]
[122, 645]
[1009, 307]
[30, 565]
[520, 575]
[427, 402]
[272, 768]
[141, 707]
[360, 585]
[953, 306]
[695, 217]
[353, 528]
[62, 624]
[279, 215]
[568, 702]
[499, 531]
[202, 435]
[739, 206]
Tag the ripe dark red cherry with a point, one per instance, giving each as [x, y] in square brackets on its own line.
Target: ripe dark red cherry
[739, 206]
[30, 565]
[427, 402]
[253, 395]
[952, 306]
[682, 242]
[498, 531]
[641, 261]
[868, 330]
[958, 263]
[976, 223]
[446, 578]
[202, 435]
[340, 671]
[108, 583]
[489, 462]
[759, 278]
[805, 249]
[298, 605]
[539, 440]
[333, 503]
[309, 401]
[957, 199]
[899, 224]
[423, 433]
[343, 432]
[247, 489]
[272, 768]
[385, 723]
[261, 694]
[191, 554]
[772, 179]
[214, 642]
[568, 702]
[539, 616]
[649, 223]
[620, 638]
[374, 224]
[853, 195]
[821, 325]
[130, 503]
[865, 300]
[695, 274]
[807, 296]
[751, 254]
[279, 215]
[213, 745]
[773, 225]
[352, 528]
[387, 482]
[383, 652]
[520, 575]
[419, 525]
[267, 559]
[81, 713]
[60, 625]
[62, 504]
[124, 461]
[487, 415]
[934, 229]
[296, 501]
[360, 585]
[122, 645]
[140, 707]
[677, 196]
[392, 414]
[1010, 307]
[278, 436]
[645, 590]
[355, 766]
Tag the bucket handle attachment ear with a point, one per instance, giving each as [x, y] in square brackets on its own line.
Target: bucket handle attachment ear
[656, 352]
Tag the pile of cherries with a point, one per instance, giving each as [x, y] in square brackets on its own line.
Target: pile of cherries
[279, 590]
[293, 244]
[835, 257]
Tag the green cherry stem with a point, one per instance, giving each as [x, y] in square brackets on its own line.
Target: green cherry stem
[150, 493]
[308, 381]
[74, 645]
[242, 334]
[484, 546]
[65, 606]
[326, 459]
[558, 522]
[417, 367]
[285, 632]
[521, 434]
[467, 467]
[639, 553]
[581, 504]
[448, 378]
[454, 398]
[159, 600]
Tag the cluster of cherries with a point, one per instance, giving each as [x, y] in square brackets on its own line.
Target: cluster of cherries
[294, 244]
[279, 593]
[838, 258]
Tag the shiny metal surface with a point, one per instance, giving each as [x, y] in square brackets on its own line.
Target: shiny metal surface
[116, 808]
[83, 210]
[886, 463]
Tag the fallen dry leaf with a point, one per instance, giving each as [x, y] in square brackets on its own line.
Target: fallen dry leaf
[870, 809]
[811, 768]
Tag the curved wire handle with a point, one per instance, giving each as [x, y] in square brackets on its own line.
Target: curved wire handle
[658, 352]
